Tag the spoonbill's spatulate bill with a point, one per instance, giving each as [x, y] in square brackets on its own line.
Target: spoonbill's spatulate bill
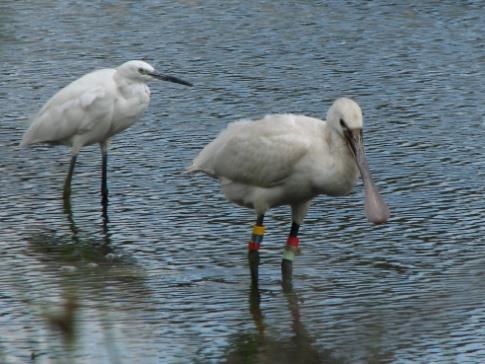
[94, 108]
[290, 159]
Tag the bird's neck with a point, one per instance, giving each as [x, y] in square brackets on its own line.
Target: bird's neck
[343, 151]
[133, 100]
[342, 164]
[129, 88]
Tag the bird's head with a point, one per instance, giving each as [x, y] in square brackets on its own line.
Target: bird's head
[345, 117]
[141, 71]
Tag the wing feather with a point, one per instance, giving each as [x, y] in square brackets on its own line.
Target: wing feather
[260, 153]
[73, 110]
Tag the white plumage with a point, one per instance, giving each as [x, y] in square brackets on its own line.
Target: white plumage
[93, 108]
[288, 159]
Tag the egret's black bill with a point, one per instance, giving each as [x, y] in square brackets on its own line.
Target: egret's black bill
[169, 79]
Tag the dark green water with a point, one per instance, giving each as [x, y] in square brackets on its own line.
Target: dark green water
[165, 280]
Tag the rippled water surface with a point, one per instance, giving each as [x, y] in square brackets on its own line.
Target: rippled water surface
[165, 280]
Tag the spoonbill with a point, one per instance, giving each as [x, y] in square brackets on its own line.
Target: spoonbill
[92, 109]
[288, 159]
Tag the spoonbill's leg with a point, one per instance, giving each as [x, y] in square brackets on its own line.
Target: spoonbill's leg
[253, 248]
[291, 249]
[67, 183]
[104, 169]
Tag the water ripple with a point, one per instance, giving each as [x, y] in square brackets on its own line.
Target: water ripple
[165, 278]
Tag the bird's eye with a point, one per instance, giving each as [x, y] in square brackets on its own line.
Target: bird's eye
[342, 123]
[141, 70]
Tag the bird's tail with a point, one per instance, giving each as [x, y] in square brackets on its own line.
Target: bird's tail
[191, 169]
[195, 168]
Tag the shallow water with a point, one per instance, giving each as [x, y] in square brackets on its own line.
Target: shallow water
[165, 278]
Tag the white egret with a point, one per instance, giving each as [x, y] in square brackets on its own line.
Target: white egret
[92, 109]
[290, 159]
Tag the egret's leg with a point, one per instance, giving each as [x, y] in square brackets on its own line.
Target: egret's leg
[104, 172]
[67, 183]
[253, 248]
[291, 249]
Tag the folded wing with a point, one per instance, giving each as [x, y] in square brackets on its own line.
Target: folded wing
[260, 153]
[73, 110]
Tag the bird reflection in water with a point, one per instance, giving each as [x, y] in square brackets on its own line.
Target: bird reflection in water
[104, 245]
[77, 266]
[261, 347]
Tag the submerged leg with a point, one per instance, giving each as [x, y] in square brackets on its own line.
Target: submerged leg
[253, 248]
[298, 212]
[67, 183]
[104, 179]
[291, 249]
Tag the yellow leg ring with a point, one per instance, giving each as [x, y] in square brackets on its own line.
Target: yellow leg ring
[258, 230]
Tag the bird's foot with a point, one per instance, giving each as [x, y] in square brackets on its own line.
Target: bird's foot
[286, 271]
[104, 196]
[66, 193]
[253, 259]
[104, 201]
[287, 264]
[66, 199]
[67, 205]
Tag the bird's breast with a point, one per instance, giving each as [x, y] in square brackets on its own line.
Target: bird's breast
[129, 108]
[332, 174]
